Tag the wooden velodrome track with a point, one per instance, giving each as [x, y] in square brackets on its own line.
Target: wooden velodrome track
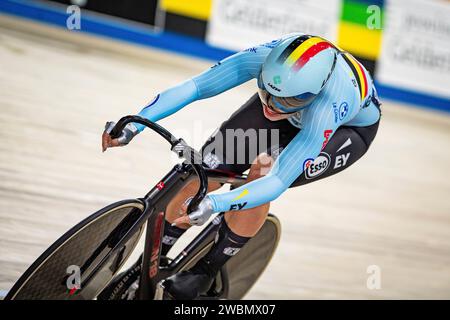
[57, 89]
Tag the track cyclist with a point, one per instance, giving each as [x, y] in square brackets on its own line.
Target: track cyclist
[320, 110]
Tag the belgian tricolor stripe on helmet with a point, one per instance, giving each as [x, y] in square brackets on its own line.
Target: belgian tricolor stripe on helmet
[301, 50]
[358, 72]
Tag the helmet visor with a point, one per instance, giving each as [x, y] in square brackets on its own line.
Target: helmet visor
[286, 104]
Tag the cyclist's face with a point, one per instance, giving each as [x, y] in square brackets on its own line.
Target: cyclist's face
[270, 111]
[274, 114]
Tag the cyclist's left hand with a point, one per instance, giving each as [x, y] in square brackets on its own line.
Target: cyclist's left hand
[197, 217]
[128, 133]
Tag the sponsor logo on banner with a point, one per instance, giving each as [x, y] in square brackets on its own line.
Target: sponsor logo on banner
[239, 24]
[318, 166]
[415, 52]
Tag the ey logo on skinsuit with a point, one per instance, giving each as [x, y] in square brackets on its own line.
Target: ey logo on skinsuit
[341, 160]
[238, 206]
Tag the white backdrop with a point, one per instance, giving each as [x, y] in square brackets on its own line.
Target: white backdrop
[416, 46]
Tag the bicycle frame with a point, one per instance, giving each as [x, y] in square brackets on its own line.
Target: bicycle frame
[156, 201]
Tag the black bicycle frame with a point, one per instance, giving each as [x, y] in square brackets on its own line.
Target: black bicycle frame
[157, 199]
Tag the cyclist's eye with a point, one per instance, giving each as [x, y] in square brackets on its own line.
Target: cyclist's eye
[272, 106]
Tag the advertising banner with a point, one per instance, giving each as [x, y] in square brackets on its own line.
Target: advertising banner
[415, 51]
[238, 24]
[198, 9]
[136, 10]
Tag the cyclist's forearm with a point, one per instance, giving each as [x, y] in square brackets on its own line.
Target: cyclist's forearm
[251, 195]
[226, 74]
[169, 102]
[307, 144]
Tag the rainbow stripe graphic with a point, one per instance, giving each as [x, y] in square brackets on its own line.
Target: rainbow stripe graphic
[358, 72]
[301, 50]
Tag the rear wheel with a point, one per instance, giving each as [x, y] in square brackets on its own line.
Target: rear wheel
[123, 285]
[249, 263]
[243, 269]
[89, 247]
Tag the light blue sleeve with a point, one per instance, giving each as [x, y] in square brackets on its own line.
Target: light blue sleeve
[307, 144]
[224, 75]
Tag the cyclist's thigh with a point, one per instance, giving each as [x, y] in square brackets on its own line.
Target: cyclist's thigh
[346, 146]
[247, 133]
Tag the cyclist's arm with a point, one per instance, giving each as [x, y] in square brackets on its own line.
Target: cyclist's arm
[307, 144]
[224, 75]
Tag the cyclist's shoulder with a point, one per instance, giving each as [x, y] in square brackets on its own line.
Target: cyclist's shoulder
[336, 104]
[350, 84]
[353, 76]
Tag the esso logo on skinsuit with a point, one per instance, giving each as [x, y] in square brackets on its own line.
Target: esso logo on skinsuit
[319, 166]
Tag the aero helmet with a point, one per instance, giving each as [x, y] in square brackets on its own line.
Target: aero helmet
[295, 71]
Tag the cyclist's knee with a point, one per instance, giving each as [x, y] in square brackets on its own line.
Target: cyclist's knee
[260, 166]
[191, 188]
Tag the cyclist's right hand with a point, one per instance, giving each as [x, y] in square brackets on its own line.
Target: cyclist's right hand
[128, 133]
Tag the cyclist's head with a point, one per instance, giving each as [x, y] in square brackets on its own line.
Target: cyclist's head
[295, 72]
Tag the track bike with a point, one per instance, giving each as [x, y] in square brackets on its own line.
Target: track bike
[99, 245]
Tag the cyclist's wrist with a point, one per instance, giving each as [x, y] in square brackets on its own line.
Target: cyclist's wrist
[128, 133]
[213, 203]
